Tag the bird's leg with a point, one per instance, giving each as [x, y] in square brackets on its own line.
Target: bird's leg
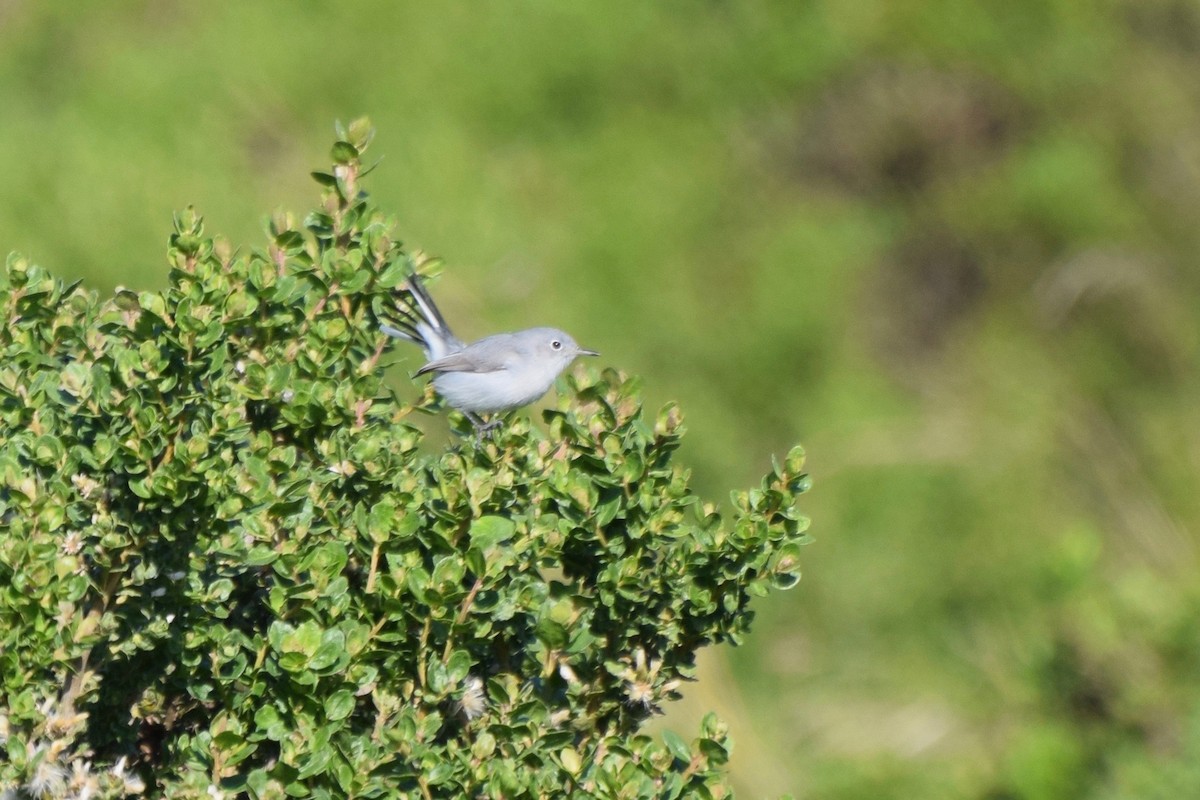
[481, 427]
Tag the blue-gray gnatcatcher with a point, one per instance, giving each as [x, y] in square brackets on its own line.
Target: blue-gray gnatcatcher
[496, 373]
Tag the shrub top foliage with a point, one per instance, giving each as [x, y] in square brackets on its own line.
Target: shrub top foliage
[227, 566]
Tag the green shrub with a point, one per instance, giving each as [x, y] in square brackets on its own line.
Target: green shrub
[227, 566]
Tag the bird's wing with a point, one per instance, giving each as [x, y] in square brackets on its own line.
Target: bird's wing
[471, 359]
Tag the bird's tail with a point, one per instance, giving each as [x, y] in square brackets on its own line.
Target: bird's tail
[418, 320]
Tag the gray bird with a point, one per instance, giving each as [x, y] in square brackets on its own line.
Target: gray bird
[496, 373]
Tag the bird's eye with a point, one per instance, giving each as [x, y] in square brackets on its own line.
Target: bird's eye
[556, 344]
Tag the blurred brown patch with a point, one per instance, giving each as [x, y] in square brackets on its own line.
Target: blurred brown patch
[897, 129]
[1173, 24]
[1075, 680]
[264, 147]
[923, 288]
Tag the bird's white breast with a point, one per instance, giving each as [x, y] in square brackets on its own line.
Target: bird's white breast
[482, 392]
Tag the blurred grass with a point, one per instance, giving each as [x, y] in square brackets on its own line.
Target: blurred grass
[948, 246]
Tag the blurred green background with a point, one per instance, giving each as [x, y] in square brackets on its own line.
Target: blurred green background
[949, 246]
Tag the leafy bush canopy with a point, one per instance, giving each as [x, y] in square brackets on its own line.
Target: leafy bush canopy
[228, 567]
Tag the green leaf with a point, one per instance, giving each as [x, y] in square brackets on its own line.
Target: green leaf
[442, 772]
[448, 573]
[154, 303]
[570, 760]
[458, 666]
[484, 746]
[304, 639]
[360, 133]
[316, 762]
[382, 520]
[487, 532]
[331, 651]
[344, 153]
[326, 562]
[676, 746]
[339, 705]
[260, 556]
[552, 634]
[268, 720]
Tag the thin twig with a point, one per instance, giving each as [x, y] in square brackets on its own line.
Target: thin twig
[462, 616]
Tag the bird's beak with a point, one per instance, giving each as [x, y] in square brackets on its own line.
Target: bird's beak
[583, 352]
